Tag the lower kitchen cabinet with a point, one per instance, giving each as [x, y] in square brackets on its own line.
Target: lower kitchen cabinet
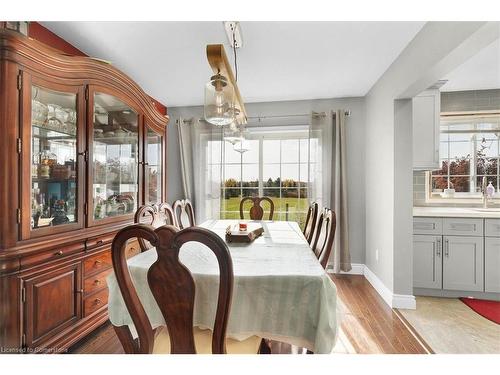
[427, 263]
[492, 264]
[52, 303]
[463, 263]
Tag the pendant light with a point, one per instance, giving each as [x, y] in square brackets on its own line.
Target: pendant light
[219, 94]
[223, 104]
[242, 145]
[232, 134]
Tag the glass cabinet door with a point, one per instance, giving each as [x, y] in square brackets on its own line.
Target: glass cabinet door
[153, 167]
[115, 156]
[54, 154]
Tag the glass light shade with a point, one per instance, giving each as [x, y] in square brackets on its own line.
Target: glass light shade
[219, 97]
[232, 134]
[242, 145]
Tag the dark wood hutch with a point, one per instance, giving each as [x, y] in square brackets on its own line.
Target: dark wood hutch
[81, 147]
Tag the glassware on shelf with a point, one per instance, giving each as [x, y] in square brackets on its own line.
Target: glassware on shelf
[115, 157]
[47, 160]
[54, 158]
[39, 112]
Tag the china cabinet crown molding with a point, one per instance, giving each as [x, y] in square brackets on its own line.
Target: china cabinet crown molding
[52, 280]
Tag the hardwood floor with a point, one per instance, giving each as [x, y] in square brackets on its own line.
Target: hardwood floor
[367, 325]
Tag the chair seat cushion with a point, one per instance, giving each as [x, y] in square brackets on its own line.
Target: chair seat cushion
[203, 343]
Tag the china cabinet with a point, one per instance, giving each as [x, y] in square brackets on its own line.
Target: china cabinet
[82, 147]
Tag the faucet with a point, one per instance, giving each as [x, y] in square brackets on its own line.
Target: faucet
[485, 194]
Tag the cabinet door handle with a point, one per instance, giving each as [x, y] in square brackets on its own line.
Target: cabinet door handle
[99, 242]
[438, 250]
[97, 301]
[447, 248]
[97, 262]
[97, 282]
[58, 253]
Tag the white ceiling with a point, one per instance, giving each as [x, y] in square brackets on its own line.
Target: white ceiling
[278, 60]
[480, 72]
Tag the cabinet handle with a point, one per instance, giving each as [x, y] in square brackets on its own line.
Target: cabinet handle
[438, 251]
[58, 253]
[80, 291]
[99, 242]
[97, 262]
[97, 301]
[97, 282]
[447, 249]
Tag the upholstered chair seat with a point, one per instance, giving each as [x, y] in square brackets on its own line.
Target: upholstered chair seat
[203, 343]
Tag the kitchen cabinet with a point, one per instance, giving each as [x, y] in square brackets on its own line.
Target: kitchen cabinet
[463, 263]
[427, 261]
[492, 264]
[426, 121]
[456, 256]
[81, 145]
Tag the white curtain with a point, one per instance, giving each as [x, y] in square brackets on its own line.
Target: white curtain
[328, 178]
[200, 147]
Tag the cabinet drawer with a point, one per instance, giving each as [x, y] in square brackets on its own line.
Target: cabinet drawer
[52, 254]
[492, 227]
[427, 225]
[97, 263]
[132, 248]
[95, 302]
[94, 242]
[96, 282]
[462, 227]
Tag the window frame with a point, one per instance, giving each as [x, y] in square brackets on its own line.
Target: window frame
[279, 211]
[474, 118]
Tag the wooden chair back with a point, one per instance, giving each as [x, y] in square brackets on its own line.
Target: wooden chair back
[256, 211]
[184, 213]
[325, 235]
[172, 286]
[311, 218]
[154, 215]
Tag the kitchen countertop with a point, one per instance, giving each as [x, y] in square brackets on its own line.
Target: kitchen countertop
[477, 212]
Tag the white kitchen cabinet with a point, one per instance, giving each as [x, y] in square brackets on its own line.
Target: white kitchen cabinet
[492, 264]
[426, 118]
[463, 262]
[427, 263]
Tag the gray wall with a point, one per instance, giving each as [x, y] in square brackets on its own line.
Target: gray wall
[355, 157]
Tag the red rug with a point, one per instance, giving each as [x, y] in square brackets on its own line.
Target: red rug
[489, 309]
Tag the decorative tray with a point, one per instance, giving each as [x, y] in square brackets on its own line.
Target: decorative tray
[233, 234]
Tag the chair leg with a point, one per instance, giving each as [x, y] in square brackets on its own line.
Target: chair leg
[264, 347]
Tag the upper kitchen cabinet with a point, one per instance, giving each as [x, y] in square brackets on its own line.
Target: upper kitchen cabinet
[426, 118]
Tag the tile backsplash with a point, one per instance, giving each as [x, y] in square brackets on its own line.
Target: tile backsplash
[419, 188]
[473, 100]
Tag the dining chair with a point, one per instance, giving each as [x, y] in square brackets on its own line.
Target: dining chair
[154, 215]
[173, 288]
[325, 235]
[184, 213]
[311, 218]
[256, 211]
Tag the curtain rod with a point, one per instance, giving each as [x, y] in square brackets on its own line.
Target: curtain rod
[314, 114]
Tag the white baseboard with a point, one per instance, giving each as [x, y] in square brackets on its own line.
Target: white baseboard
[395, 301]
[356, 269]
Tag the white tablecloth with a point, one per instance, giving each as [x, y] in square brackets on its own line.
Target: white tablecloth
[280, 291]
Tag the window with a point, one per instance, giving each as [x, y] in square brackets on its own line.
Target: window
[469, 151]
[277, 166]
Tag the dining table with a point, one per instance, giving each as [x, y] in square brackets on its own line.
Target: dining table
[280, 290]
